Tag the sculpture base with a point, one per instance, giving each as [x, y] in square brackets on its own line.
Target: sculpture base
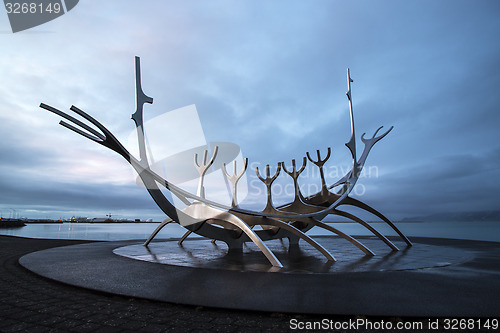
[201, 253]
[435, 277]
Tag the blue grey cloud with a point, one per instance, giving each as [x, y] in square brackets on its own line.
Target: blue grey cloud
[269, 76]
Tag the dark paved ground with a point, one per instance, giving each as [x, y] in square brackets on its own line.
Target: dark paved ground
[29, 303]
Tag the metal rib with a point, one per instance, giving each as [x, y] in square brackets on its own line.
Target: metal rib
[366, 225]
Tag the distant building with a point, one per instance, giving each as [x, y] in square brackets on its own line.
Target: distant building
[101, 219]
[79, 219]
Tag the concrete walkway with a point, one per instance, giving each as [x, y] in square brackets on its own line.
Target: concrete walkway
[30, 303]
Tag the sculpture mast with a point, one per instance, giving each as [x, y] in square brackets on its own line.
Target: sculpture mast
[140, 99]
[352, 142]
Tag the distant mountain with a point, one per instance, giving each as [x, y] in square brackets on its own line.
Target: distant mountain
[487, 215]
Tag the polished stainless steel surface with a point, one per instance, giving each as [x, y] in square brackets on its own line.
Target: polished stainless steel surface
[233, 224]
[234, 178]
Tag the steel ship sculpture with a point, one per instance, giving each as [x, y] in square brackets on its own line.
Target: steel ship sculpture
[233, 224]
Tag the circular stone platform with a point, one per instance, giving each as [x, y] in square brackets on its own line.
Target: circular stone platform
[435, 277]
[202, 253]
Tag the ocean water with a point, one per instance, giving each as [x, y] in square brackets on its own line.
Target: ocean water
[485, 231]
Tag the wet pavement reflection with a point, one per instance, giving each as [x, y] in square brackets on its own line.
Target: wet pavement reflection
[201, 253]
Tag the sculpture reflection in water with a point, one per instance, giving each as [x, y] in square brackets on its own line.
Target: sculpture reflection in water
[233, 224]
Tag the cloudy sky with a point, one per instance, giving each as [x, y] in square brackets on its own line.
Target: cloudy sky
[269, 76]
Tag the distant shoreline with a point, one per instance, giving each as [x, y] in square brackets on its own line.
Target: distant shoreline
[4, 221]
[11, 223]
[91, 222]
